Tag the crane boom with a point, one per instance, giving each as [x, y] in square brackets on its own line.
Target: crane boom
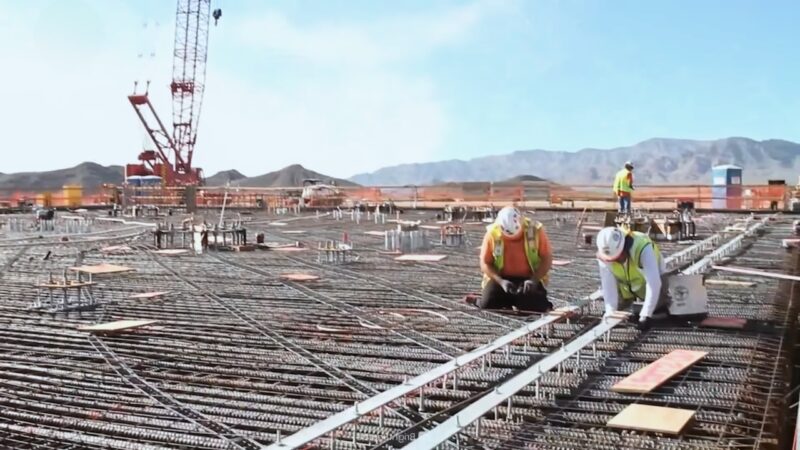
[189, 73]
[172, 159]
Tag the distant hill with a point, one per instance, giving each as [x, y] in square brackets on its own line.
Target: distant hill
[524, 179]
[290, 176]
[224, 177]
[657, 161]
[89, 175]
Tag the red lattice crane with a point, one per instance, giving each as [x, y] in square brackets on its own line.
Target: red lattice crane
[172, 157]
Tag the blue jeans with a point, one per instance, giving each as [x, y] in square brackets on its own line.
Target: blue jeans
[624, 205]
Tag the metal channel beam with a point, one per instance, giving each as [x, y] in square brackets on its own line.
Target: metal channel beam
[505, 391]
[727, 249]
[352, 414]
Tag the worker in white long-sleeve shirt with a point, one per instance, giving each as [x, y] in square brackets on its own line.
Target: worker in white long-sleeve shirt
[631, 267]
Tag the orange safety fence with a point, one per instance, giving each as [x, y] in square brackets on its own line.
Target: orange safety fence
[476, 193]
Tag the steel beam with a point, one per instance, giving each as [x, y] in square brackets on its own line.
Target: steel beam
[354, 413]
[505, 391]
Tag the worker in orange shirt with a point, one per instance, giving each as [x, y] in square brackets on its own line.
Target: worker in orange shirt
[515, 259]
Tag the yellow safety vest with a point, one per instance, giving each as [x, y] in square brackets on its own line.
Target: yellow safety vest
[630, 279]
[531, 230]
[621, 183]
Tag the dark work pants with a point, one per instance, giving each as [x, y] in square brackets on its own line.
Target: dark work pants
[494, 297]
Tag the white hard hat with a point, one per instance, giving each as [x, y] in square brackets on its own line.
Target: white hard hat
[510, 220]
[610, 243]
[629, 163]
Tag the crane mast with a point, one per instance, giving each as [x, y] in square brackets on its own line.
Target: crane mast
[172, 158]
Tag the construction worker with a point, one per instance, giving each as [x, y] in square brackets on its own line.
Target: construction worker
[515, 260]
[623, 188]
[631, 267]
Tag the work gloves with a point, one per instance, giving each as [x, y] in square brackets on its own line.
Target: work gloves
[529, 287]
[508, 287]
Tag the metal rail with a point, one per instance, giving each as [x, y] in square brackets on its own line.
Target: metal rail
[504, 392]
[418, 383]
[725, 250]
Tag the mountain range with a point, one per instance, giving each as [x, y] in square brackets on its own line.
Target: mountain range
[656, 161]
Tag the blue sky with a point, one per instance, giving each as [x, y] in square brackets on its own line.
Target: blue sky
[349, 86]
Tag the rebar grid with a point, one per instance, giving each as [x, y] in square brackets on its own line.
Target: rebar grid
[264, 357]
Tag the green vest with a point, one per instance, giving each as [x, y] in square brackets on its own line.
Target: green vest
[621, 183]
[531, 230]
[630, 279]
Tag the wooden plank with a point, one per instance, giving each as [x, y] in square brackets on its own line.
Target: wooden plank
[724, 322]
[118, 325]
[171, 251]
[421, 258]
[659, 372]
[758, 273]
[730, 282]
[146, 295]
[376, 233]
[299, 277]
[652, 418]
[116, 249]
[288, 249]
[102, 269]
[70, 285]
[561, 262]
[294, 231]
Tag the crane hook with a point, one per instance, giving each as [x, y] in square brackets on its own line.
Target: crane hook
[216, 14]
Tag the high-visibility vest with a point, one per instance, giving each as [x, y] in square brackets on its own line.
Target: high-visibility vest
[621, 183]
[630, 278]
[531, 230]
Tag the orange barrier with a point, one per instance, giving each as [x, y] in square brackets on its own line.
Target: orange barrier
[761, 197]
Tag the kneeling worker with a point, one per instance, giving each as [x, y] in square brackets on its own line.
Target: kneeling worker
[631, 267]
[515, 259]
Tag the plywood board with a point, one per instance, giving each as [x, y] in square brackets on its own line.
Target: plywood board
[101, 269]
[171, 251]
[730, 282]
[652, 418]
[421, 258]
[561, 262]
[659, 372]
[724, 322]
[116, 249]
[376, 233]
[119, 325]
[299, 277]
[146, 295]
[760, 273]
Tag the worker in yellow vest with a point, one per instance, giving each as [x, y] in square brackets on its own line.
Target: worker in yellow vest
[631, 268]
[515, 260]
[623, 188]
